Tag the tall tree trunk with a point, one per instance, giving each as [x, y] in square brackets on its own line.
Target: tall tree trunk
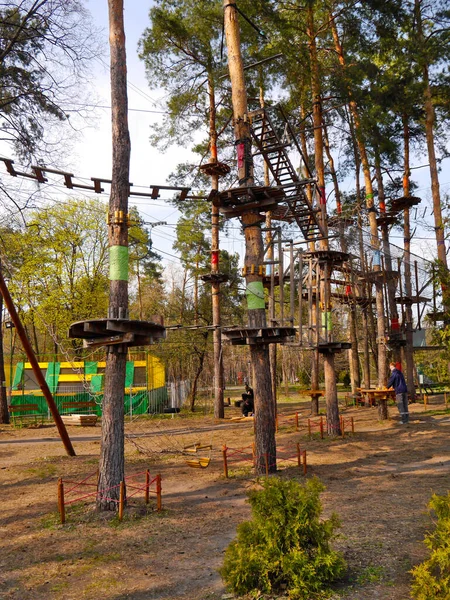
[112, 458]
[333, 422]
[408, 325]
[270, 257]
[375, 243]
[390, 283]
[429, 131]
[219, 384]
[254, 255]
[353, 354]
[313, 316]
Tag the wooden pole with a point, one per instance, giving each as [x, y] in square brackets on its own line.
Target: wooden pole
[305, 466]
[61, 508]
[225, 461]
[158, 493]
[299, 455]
[35, 366]
[353, 424]
[296, 421]
[321, 428]
[121, 499]
[147, 486]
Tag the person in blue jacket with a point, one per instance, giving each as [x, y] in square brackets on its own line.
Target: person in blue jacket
[398, 383]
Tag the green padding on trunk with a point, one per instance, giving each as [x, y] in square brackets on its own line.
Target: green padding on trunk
[326, 321]
[255, 295]
[118, 263]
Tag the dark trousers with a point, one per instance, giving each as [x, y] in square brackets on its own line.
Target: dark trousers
[402, 405]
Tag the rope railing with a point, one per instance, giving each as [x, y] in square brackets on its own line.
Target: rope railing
[322, 424]
[284, 454]
[103, 495]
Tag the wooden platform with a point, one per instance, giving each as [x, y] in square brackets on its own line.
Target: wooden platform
[109, 332]
[242, 336]
[327, 256]
[214, 278]
[80, 420]
[333, 347]
[399, 204]
[236, 201]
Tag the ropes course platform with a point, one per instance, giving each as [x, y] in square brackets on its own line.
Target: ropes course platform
[242, 336]
[237, 201]
[110, 332]
[214, 278]
[399, 204]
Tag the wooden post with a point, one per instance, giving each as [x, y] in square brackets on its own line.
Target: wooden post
[147, 486]
[158, 493]
[353, 424]
[296, 421]
[225, 461]
[425, 400]
[121, 499]
[61, 508]
[445, 400]
[343, 427]
[299, 455]
[321, 428]
[305, 467]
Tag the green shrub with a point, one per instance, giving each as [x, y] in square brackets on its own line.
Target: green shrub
[432, 577]
[285, 547]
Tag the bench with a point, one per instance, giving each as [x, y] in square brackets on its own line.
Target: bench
[19, 412]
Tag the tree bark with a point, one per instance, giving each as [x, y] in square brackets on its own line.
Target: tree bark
[408, 325]
[313, 316]
[325, 292]
[265, 445]
[375, 243]
[112, 458]
[219, 384]
[429, 131]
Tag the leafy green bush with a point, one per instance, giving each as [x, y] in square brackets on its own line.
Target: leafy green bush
[285, 547]
[432, 577]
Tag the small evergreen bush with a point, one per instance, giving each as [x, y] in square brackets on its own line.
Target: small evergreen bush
[285, 547]
[432, 577]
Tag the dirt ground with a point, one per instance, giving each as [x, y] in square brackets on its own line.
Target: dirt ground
[378, 481]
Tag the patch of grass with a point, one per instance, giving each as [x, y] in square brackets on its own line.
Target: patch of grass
[50, 521]
[370, 575]
[43, 471]
[59, 587]
[100, 586]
